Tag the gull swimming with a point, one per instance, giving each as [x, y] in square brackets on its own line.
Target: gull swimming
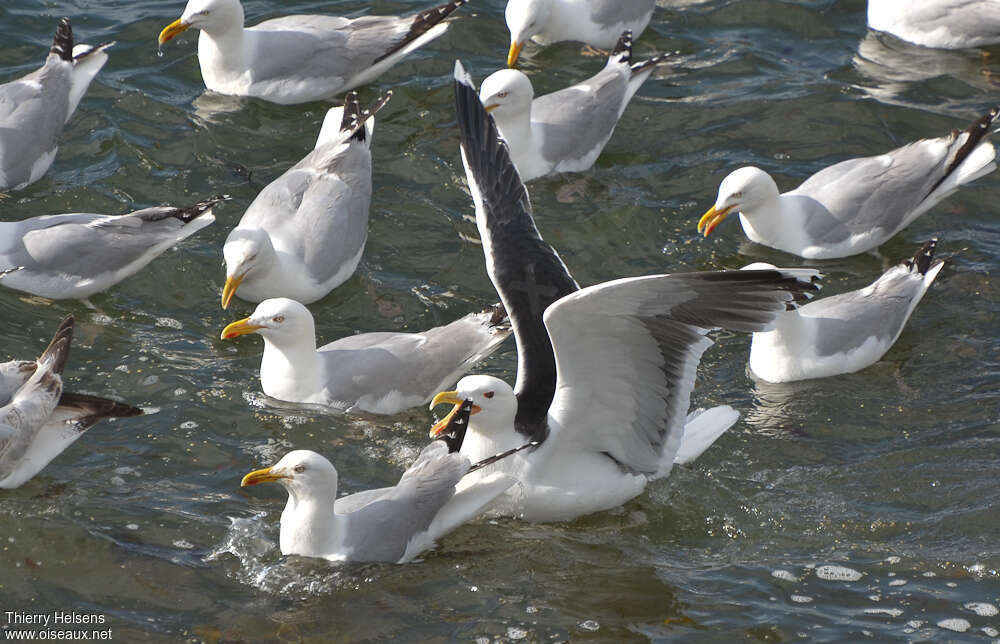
[856, 205]
[393, 524]
[942, 24]
[39, 420]
[304, 234]
[300, 58]
[564, 131]
[604, 373]
[35, 108]
[847, 332]
[597, 23]
[80, 254]
[380, 373]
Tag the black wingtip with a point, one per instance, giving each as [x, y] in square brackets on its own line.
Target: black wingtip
[190, 213]
[62, 43]
[55, 355]
[353, 122]
[622, 52]
[498, 316]
[923, 258]
[643, 65]
[424, 22]
[89, 410]
[453, 434]
[977, 131]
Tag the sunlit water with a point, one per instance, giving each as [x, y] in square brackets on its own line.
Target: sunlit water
[852, 508]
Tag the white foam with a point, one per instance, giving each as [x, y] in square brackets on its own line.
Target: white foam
[169, 323]
[837, 573]
[891, 612]
[982, 609]
[516, 633]
[590, 625]
[783, 575]
[956, 624]
[992, 632]
[897, 582]
[801, 599]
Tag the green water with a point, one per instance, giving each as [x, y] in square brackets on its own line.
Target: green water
[890, 472]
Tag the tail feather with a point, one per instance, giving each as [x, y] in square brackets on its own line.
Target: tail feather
[55, 355]
[977, 132]
[650, 63]
[62, 43]
[422, 23]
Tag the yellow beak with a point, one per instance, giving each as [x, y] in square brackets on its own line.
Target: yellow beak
[261, 476]
[711, 219]
[490, 108]
[513, 53]
[174, 28]
[229, 290]
[238, 328]
[448, 397]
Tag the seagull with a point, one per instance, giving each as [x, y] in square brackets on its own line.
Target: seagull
[942, 24]
[380, 373]
[393, 524]
[855, 205]
[595, 22]
[847, 332]
[604, 373]
[304, 233]
[35, 108]
[300, 58]
[80, 254]
[566, 130]
[39, 420]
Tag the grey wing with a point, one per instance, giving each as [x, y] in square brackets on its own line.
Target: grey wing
[87, 245]
[578, 119]
[879, 192]
[381, 530]
[33, 111]
[322, 50]
[412, 365]
[975, 19]
[358, 500]
[13, 375]
[846, 321]
[616, 12]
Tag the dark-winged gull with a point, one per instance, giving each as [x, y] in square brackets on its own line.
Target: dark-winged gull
[79, 254]
[943, 24]
[847, 332]
[604, 373]
[855, 205]
[564, 131]
[38, 419]
[300, 58]
[597, 23]
[304, 234]
[35, 108]
[380, 373]
[393, 524]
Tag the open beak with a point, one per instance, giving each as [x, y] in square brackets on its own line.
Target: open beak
[229, 290]
[174, 28]
[265, 475]
[238, 328]
[515, 51]
[449, 397]
[711, 219]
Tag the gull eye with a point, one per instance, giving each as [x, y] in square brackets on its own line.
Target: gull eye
[502, 94]
[738, 195]
[489, 394]
[278, 319]
[300, 468]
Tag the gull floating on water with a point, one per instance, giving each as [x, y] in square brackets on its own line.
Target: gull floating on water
[847, 332]
[564, 131]
[943, 24]
[300, 58]
[80, 254]
[856, 205]
[304, 234]
[598, 23]
[392, 524]
[605, 373]
[34, 108]
[380, 373]
[38, 419]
